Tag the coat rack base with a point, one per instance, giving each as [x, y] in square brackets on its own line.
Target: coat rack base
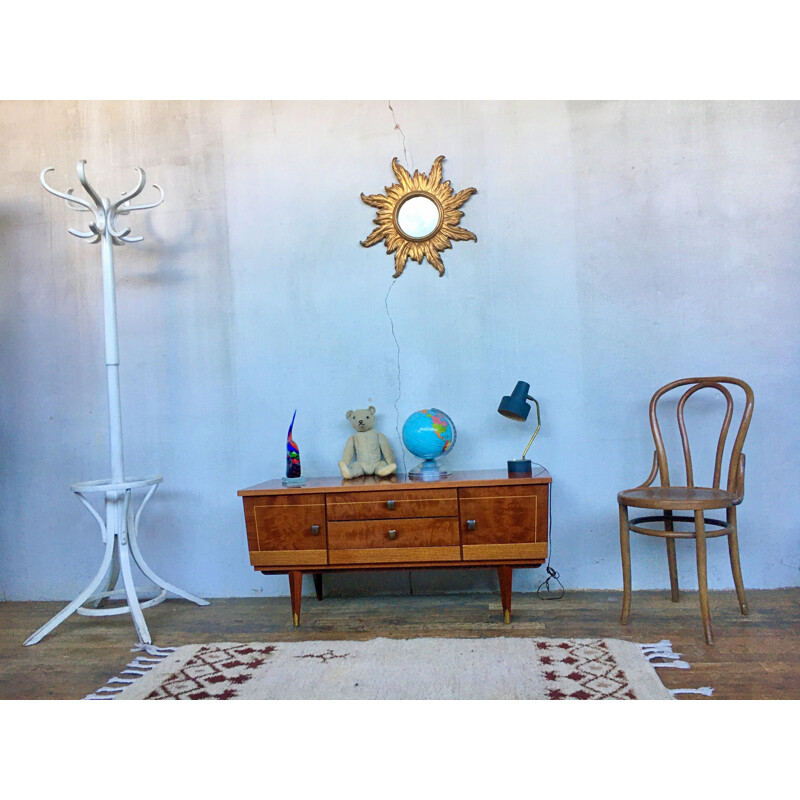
[120, 530]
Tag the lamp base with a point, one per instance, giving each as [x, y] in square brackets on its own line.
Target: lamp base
[520, 468]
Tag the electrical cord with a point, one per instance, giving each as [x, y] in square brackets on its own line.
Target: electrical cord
[551, 573]
[399, 381]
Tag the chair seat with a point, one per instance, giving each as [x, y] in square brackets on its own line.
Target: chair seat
[677, 498]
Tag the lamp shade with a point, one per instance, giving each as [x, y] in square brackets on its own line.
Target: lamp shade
[515, 406]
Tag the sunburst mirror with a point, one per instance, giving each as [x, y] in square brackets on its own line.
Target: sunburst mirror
[418, 217]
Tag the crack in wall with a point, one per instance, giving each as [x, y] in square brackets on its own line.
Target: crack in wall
[398, 128]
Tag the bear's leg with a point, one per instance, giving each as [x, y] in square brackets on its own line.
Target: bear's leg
[383, 469]
[353, 471]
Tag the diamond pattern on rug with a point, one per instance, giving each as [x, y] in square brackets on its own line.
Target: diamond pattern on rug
[583, 671]
[212, 667]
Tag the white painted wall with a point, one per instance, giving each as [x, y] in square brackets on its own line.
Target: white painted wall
[620, 245]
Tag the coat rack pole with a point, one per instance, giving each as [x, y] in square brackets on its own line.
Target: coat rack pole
[112, 361]
[120, 527]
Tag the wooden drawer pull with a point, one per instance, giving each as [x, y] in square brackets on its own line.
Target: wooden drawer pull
[390, 505]
[392, 534]
[315, 530]
[471, 525]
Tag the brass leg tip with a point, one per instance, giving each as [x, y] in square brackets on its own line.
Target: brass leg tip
[296, 620]
[507, 617]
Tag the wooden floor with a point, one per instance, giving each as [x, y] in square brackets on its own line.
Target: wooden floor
[755, 657]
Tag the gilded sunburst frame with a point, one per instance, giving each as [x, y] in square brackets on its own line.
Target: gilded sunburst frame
[445, 230]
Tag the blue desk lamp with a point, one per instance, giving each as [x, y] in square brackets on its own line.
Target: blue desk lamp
[515, 406]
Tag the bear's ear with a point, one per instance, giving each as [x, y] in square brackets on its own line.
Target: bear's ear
[350, 414]
[372, 410]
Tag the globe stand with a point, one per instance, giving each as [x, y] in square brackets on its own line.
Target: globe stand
[428, 470]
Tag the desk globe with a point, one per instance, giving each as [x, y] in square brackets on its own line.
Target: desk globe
[428, 434]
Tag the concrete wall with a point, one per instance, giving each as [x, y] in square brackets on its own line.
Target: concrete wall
[620, 245]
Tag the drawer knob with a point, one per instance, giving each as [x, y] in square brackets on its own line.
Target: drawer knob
[390, 505]
[315, 530]
[471, 525]
[392, 534]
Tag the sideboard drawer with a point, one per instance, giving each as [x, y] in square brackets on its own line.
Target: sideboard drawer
[397, 540]
[392, 505]
[286, 531]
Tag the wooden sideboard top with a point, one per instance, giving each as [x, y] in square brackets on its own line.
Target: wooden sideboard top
[370, 482]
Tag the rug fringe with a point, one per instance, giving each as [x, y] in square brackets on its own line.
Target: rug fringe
[138, 667]
[663, 649]
[152, 650]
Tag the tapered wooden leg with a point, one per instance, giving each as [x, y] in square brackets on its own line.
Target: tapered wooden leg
[702, 578]
[504, 573]
[625, 550]
[671, 559]
[736, 567]
[296, 591]
[318, 584]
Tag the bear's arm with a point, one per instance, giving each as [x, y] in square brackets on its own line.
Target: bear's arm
[386, 449]
[349, 451]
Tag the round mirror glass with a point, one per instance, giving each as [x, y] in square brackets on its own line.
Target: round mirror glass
[418, 217]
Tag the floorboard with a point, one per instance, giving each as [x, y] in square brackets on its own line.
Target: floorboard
[755, 657]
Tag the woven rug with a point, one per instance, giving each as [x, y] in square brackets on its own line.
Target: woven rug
[499, 668]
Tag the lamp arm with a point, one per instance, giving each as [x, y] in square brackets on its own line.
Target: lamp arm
[538, 425]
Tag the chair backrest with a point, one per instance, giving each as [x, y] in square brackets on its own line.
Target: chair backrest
[735, 478]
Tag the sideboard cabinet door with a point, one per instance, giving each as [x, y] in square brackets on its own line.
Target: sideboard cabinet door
[503, 522]
[287, 530]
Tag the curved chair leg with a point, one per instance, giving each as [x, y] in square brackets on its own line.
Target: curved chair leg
[671, 559]
[625, 550]
[702, 577]
[736, 567]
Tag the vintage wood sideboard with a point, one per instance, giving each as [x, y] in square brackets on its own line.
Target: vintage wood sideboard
[468, 519]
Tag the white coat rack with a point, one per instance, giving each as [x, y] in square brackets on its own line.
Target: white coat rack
[120, 527]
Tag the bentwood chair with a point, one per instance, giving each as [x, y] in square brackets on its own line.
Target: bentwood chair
[697, 500]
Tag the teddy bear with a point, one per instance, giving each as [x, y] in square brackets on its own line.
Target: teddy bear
[372, 451]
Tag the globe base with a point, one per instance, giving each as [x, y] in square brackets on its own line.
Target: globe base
[427, 470]
[520, 468]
